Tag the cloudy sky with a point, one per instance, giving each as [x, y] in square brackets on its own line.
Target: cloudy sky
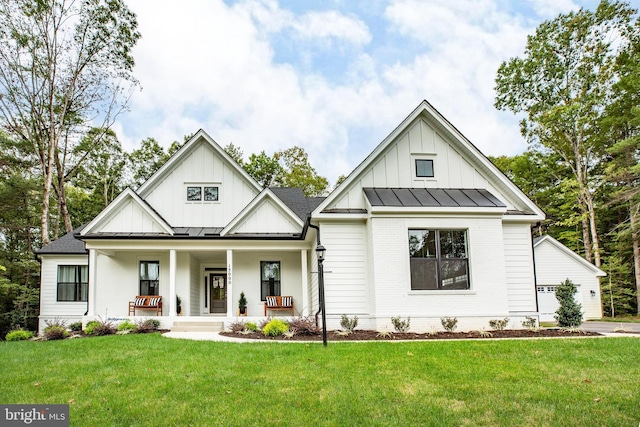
[332, 76]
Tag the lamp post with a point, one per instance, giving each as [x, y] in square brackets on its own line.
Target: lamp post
[320, 250]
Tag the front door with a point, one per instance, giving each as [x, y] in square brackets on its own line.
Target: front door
[217, 293]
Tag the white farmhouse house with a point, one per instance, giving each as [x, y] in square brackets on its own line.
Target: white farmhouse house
[554, 264]
[425, 227]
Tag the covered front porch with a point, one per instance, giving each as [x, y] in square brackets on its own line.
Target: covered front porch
[207, 280]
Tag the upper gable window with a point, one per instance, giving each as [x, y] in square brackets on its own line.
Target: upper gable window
[424, 168]
[200, 193]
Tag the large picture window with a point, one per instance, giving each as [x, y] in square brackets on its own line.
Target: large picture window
[149, 278]
[73, 282]
[269, 279]
[438, 259]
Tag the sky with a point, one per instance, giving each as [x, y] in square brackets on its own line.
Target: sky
[332, 76]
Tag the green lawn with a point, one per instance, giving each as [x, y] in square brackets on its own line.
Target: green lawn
[151, 380]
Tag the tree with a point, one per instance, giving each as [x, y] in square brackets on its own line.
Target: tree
[569, 314]
[146, 160]
[298, 172]
[64, 65]
[264, 169]
[234, 152]
[563, 83]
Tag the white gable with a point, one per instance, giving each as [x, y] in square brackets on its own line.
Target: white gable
[265, 215]
[556, 262]
[127, 214]
[200, 164]
[457, 164]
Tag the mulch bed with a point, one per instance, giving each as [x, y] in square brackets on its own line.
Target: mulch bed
[367, 335]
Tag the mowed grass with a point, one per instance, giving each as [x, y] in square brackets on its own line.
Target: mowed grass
[149, 380]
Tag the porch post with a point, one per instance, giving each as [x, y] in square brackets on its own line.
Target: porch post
[93, 274]
[230, 300]
[171, 306]
[305, 282]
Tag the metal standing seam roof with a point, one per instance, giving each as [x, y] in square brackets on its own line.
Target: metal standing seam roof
[432, 197]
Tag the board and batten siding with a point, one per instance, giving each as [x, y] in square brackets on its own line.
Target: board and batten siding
[202, 166]
[50, 308]
[345, 266]
[518, 256]
[131, 218]
[395, 168]
[267, 218]
[554, 266]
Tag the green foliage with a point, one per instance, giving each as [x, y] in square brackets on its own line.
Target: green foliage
[55, 330]
[147, 325]
[401, 325]
[76, 326]
[348, 324]
[127, 325]
[449, 323]
[498, 324]
[304, 325]
[100, 328]
[146, 160]
[569, 314]
[530, 323]
[242, 301]
[19, 335]
[275, 328]
[251, 326]
[234, 152]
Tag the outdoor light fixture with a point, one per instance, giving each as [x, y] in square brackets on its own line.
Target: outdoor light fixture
[320, 251]
[593, 293]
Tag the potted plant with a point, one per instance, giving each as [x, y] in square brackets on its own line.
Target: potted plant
[178, 305]
[242, 303]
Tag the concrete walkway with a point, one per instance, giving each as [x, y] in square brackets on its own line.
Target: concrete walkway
[610, 327]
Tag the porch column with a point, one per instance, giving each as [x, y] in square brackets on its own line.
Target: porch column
[93, 275]
[171, 309]
[305, 282]
[230, 299]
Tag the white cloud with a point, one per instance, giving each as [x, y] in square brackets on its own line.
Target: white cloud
[549, 9]
[334, 25]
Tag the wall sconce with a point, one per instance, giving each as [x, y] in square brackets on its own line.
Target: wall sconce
[593, 293]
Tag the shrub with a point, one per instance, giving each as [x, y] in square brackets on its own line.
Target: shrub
[237, 327]
[76, 326]
[304, 325]
[127, 325]
[19, 335]
[251, 326]
[275, 327]
[347, 324]
[401, 325]
[263, 323]
[449, 323]
[55, 332]
[530, 323]
[100, 328]
[569, 314]
[498, 324]
[147, 325]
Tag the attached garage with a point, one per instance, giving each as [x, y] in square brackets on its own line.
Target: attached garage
[554, 263]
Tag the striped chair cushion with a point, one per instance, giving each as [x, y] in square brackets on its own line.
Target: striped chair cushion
[154, 301]
[271, 302]
[286, 301]
[139, 301]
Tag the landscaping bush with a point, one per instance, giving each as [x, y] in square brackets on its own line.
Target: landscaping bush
[401, 325]
[498, 324]
[147, 325]
[263, 323]
[237, 327]
[449, 323]
[275, 328]
[530, 323]
[55, 332]
[347, 324]
[76, 326]
[128, 326]
[569, 314]
[19, 335]
[304, 325]
[100, 328]
[251, 326]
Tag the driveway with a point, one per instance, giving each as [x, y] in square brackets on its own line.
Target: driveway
[608, 327]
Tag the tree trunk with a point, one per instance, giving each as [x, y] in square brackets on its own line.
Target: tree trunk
[592, 225]
[635, 237]
[586, 238]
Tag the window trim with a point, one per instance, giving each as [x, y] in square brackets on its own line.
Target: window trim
[277, 286]
[202, 195]
[433, 171]
[440, 289]
[77, 284]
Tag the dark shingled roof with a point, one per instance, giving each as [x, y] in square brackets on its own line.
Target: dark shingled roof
[67, 244]
[431, 197]
[295, 200]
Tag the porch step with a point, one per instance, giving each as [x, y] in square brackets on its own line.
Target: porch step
[186, 326]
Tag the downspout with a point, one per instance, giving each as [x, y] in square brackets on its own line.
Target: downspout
[317, 228]
[535, 277]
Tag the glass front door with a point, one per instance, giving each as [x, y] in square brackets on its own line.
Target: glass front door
[217, 293]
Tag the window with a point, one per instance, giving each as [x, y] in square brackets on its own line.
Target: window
[438, 259]
[195, 193]
[149, 277]
[424, 168]
[269, 279]
[73, 282]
